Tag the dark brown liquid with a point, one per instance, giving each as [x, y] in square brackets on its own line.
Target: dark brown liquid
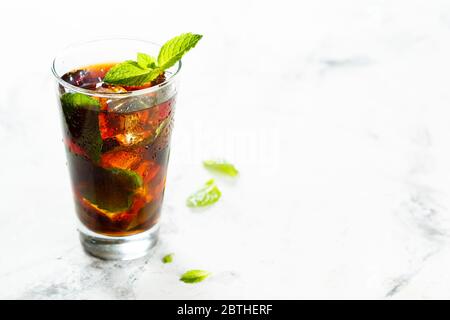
[117, 156]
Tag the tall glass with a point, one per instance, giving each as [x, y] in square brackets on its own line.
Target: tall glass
[117, 144]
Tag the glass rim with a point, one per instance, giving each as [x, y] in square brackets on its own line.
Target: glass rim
[89, 92]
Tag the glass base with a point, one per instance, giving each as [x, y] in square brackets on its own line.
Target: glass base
[119, 248]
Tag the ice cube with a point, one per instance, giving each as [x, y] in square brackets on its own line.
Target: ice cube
[148, 170]
[83, 79]
[103, 88]
[147, 216]
[122, 159]
[131, 104]
[131, 160]
[157, 148]
[127, 129]
[137, 128]
[75, 78]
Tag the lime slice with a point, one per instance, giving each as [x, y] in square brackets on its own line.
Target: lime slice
[111, 189]
[81, 120]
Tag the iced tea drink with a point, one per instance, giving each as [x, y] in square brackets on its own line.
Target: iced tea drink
[117, 138]
[118, 150]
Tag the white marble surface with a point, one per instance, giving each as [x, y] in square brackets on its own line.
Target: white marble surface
[336, 113]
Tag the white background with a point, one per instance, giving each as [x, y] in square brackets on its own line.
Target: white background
[335, 112]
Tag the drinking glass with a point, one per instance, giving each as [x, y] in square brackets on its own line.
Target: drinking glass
[117, 145]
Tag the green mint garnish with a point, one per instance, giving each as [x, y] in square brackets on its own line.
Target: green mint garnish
[147, 68]
[206, 196]
[130, 73]
[167, 258]
[194, 276]
[175, 48]
[145, 61]
[221, 166]
[78, 100]
[81, 118]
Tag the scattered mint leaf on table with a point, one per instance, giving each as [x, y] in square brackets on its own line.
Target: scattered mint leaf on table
[168, 258]
[221, 166]
[194, 276]
[206, 196]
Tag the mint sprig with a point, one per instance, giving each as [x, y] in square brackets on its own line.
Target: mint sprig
[147, 68]
[130, 73]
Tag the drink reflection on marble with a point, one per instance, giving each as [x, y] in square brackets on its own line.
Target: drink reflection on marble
[117, 141]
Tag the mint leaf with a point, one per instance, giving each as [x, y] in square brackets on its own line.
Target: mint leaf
[130, 73]
[167, 258]
[81, 120]
[146, 68]
[194, 276]
[175, 48]
[112, 189]
[79, 100]
[206, 196]
[145, 61]
[221, 166]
